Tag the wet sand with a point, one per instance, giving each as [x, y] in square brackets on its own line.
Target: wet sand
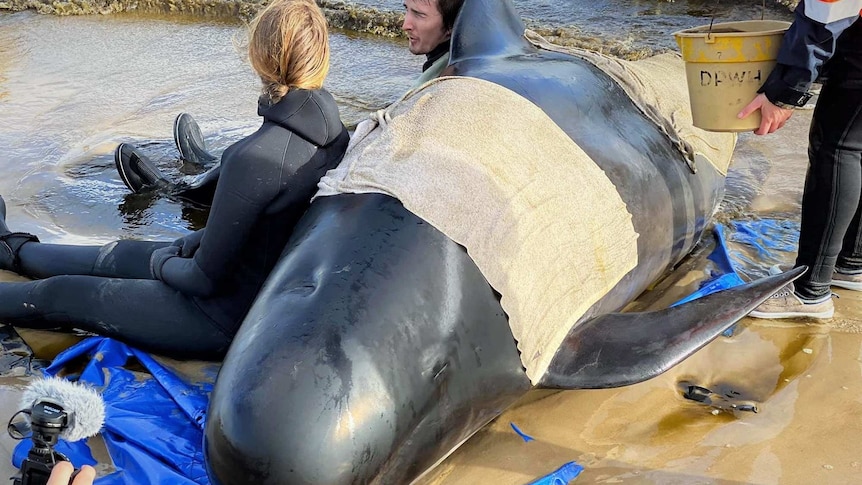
[806, 431]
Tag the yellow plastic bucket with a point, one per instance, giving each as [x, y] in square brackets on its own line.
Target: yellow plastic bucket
[725, 65]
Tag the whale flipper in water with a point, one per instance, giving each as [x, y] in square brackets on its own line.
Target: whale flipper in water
[619, 349]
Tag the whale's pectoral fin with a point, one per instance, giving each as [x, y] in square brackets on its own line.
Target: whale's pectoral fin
[619, 349]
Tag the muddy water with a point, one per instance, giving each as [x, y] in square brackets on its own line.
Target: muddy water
[70, 88]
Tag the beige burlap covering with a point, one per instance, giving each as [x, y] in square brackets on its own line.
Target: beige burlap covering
[657, 87]
[494, 173]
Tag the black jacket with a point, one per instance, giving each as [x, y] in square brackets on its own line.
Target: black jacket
[266, 184]
[812, 49]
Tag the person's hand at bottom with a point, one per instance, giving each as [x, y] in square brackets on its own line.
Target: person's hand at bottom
[62, 473]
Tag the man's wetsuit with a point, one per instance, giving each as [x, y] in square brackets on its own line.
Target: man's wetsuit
[188, 298]
[435, 62]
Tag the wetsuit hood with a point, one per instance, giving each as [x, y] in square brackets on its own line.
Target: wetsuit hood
[313, 115]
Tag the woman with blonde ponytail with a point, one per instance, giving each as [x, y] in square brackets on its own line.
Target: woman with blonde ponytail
[289, 49]
[188, 298]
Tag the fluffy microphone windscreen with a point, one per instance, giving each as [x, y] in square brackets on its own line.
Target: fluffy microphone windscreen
[83, 404]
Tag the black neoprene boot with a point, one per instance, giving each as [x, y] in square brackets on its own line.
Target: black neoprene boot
[190, 141]
[11, 242]
[136, 170]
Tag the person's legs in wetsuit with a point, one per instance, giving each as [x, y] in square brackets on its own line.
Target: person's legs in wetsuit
[107, 290]
[119, 259]
[146, 314]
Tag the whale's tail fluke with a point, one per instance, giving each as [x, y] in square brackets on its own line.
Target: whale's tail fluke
[619, 349]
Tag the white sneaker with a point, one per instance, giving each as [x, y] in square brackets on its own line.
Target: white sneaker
[785, 304]
[847, 281]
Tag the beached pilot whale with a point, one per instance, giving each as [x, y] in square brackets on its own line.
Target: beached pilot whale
[380, 342]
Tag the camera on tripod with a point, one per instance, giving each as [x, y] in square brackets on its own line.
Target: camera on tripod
[48, 419]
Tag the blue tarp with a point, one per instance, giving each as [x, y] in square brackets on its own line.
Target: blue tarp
[722, 273]
[561, 476]
[154, 420]
[756, 245]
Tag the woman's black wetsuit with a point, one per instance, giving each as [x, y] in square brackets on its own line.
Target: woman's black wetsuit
[188, 298]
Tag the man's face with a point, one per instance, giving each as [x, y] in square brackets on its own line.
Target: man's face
[423, 25]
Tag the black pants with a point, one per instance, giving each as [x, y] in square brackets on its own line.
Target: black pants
[109, 291]
[830, 234]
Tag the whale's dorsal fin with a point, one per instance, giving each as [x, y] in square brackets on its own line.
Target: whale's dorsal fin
[619, 349]
[487, 28]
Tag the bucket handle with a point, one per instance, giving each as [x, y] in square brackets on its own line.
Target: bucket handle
[709, 39]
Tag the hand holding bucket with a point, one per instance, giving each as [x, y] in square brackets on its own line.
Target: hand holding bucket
[772, 118]
[725, 65]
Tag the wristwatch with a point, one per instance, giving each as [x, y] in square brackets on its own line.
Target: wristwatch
[787, 106]
[790, 99]
[784, 96]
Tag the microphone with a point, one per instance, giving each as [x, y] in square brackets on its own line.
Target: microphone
[83, 405]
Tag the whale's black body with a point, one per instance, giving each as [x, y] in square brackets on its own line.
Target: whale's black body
[377, 346]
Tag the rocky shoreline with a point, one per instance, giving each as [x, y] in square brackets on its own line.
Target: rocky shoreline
[340, 14]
